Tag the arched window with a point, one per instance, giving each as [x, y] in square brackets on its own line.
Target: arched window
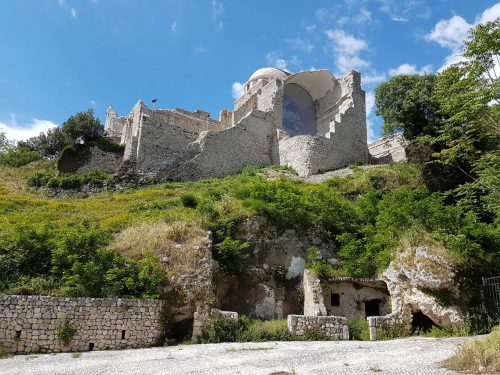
[299, 113]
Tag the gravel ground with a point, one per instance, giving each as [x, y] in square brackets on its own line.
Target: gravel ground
[402, 356]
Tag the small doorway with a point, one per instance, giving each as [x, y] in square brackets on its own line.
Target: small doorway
[372, 307]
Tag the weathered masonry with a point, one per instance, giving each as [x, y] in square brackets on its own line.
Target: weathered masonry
[310, 121]
[29, 324]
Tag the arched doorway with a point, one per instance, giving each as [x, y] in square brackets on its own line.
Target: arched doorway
[299, 113]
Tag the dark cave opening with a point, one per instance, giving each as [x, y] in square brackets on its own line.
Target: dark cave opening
[421, 322]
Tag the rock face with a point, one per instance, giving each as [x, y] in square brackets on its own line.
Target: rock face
[416, 279]
[271, 286]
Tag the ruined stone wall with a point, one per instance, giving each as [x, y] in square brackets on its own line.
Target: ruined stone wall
[331, 326]
[314, 304]
[326, 109]
[220, 154]
[348, 131]
[389, 149]
[28, 324]
[226, 118]
[130, 131]
[108, 162]
[114, 124]
[353, 295]
[245, 108]
[307, 154]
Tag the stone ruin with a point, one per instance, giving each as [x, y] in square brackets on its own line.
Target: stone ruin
[310, 121]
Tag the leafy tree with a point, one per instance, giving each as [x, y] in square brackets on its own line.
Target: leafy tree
[407, 104]
[79, 128]
[5, 143]
[18, 156]
[49, 144]
[83, 127]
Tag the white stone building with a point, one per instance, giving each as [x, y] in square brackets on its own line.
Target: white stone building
[310, 121]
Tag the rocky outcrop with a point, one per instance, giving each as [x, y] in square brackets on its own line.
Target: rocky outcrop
[271, 286]
[417, 278]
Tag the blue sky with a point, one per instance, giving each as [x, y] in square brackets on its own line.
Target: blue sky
[63, 56]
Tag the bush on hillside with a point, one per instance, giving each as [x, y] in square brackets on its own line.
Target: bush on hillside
[17, 157]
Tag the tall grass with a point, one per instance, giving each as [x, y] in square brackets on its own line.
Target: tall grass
[481, 356]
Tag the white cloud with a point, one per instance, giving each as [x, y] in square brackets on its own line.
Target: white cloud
[451, 33]
[173, 26]
[346, 43]
[369, 79]
[73, 12]
[310, 28]
[347, 48]
[300, 44]
[93, 103]
[403, 11]
[410, 69]
[362, 17]
[490, 14]
[61, 2]
[201, 50]
[370, 105]
[217, 10]
[322, 14]
[238, 89]
[399, 19]
[273, 59]
[19, 132]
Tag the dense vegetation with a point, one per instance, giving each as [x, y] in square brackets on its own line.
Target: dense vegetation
[450, 193]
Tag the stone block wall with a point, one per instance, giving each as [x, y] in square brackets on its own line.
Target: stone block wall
[331, 326]
[108, 162]
[389, 150]
[380, 322]
[28, 324]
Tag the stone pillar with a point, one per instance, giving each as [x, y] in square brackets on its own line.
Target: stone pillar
[372, 324]
[313, 295]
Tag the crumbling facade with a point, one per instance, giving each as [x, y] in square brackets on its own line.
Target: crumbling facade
[310, 121]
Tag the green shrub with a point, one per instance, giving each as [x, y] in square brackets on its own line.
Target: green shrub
[267, 330]
[73, 181]
[317, 264]
[245, 329]
[359, 329]
[231, 256]
[96, 177]
[17, 157]
[189, 200]
[392, 332]
[39, 178]
[220, 329]
[106, 145]
[65, 332]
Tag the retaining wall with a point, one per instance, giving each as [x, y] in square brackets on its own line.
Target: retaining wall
[28, 324]
[331, 326]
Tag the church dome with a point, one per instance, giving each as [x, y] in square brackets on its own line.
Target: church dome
[269, 73]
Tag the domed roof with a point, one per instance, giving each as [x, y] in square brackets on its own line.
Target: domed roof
[269, 73]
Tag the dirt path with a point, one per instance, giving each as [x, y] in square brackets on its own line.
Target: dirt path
[403, 356]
